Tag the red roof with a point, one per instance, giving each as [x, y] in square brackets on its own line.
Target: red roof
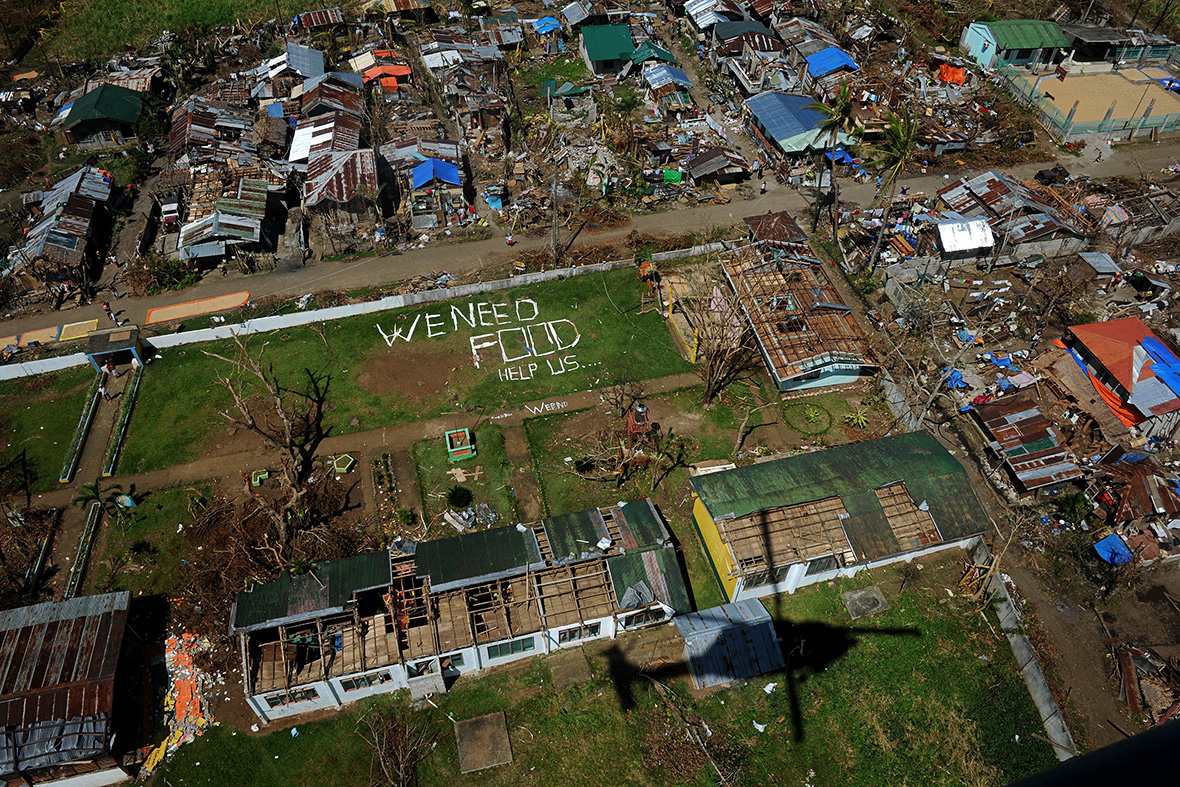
[1113, 344]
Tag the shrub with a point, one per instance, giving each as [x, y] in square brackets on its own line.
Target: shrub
[459, 496]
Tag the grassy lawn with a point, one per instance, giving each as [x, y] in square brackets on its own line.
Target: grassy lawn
[37, 418]
[100, 27]
[555, 437]
[143, 552]
[570, 68]
[923, 693]
[375, 384]
[492, 488]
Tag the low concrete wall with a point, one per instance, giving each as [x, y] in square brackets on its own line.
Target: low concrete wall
[1030, 667]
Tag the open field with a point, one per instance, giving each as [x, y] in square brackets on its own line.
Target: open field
[96, 28]
[923, 693]
[38, 416]
[1097, 92]
[557, 337]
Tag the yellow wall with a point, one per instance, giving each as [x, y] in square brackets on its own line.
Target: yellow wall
[715, 548]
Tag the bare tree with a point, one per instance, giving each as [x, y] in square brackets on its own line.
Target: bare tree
[621, 395]
[288, 420]
[719, 338]
[399, 739]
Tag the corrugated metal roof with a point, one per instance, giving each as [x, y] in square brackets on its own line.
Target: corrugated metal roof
[107, 102]
[1102, 263]
[661, 75]
[917, 458]
[322, 17]
[473, 557]
[779, 227]
[965, 235]
[339, 176]
[657, 569]
[730, 642]
[607, 42]
[784, 115]
[1026, 439]
[57, 671]
[1026, 34]
[328, 588]
[330, 95]
[338, 131]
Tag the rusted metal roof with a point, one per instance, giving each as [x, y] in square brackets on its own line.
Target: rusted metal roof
[321, 17]
[329, 95]
[137, 79]
[1010, 207]
[339, 176]
[778, 227]
[57, 672]
[1145, 491]
[338, 131]
[1027, 442]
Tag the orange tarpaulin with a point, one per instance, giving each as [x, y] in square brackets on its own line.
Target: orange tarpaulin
[956, 75]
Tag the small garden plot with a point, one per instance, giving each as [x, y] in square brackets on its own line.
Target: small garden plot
[37, 420]
[477, 493]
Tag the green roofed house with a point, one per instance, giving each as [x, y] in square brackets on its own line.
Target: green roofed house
[1016, 42]
[649, 51]
[606, 48]
[775, 526]
[104, 117]
[420, 615]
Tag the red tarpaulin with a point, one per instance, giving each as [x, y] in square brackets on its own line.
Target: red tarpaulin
[956, 75]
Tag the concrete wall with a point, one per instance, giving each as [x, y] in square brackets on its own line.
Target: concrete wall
[264, 324]
[797, 578]
[977, 41]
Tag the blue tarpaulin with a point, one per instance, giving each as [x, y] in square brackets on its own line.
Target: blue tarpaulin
[828, 60]
[274, 110]
[1166, 366]
[546, 25]
[954, 378]
[432, 169]
[1113, 550]
[840, 156]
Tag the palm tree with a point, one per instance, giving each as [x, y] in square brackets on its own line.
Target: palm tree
[97, 493]
[891, 158]
[838, 119]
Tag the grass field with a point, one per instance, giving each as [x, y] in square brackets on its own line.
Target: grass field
[145, 549]
[923, 693]
[492, 488]
[422, 376]
[38, 416]
[97, 28]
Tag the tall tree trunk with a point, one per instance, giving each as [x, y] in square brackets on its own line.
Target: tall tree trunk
[872, 266]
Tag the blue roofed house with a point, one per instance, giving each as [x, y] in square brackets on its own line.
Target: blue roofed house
[1016, 42]
[784, 125]
[419, 616]
[827, 68]
[435, 194]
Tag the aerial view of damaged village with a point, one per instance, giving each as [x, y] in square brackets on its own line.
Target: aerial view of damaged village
[677, 392]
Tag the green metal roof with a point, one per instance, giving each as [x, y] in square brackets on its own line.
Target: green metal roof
[608, 42]
[106, 102]
[1027, 34]
[574, 536]
[659, 569]
[459, 560]
[930, 474]
[649, 51]
[329, 587]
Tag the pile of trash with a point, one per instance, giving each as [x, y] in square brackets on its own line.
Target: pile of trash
[471, 518]
[185, 703]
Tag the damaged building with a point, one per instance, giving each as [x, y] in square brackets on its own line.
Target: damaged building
[420, 615]
[776, 526]
[806, 334]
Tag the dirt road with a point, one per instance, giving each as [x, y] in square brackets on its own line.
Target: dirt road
[291, 281]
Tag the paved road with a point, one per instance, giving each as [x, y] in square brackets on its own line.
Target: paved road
[1130, 161]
